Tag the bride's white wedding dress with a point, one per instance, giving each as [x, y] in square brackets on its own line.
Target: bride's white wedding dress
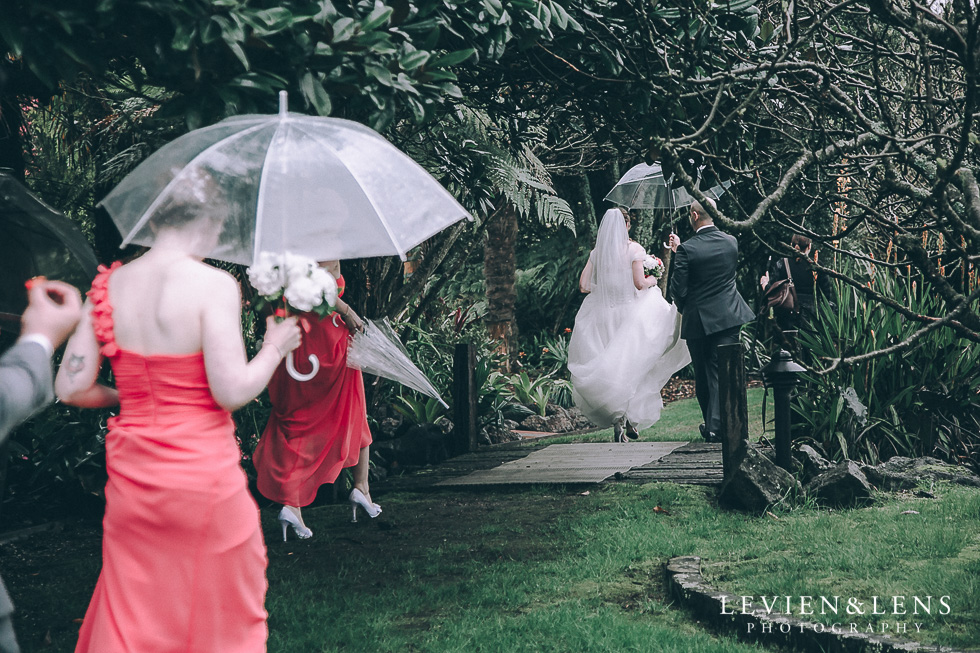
[626, 342]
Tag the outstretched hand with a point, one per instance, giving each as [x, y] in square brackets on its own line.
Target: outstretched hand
[285, 336]
[53, 310]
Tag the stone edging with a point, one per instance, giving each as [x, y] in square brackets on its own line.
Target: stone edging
[686, 585]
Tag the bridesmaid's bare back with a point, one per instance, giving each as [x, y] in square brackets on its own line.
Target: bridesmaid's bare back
[159, 303]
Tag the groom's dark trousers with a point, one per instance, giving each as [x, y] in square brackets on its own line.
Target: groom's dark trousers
[702, 285]
[704, 357]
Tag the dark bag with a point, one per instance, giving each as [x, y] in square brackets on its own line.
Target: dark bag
[781, 295]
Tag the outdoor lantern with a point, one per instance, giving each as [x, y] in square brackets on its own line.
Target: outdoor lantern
[781, 375]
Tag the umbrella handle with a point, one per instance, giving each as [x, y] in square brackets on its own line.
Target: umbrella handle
[291, 368]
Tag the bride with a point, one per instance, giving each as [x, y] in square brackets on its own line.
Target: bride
[626, 342]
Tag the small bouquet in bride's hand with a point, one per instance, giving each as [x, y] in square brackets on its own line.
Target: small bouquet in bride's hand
[654, 265]
[294, 281]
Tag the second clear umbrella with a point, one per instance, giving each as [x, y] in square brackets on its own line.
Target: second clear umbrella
[645, 187]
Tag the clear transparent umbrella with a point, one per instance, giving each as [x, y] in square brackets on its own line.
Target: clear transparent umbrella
[377, 350]
[326, 188]
[644, 187]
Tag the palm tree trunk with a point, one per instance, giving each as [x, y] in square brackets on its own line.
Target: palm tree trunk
[500, 269]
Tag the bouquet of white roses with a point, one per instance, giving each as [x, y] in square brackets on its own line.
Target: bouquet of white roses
[654, 265]
[297, 281]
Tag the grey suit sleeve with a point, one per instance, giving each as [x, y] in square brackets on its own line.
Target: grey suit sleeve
[26, 384]
[678, 278]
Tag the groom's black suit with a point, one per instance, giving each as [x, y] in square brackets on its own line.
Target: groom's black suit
[702, 285]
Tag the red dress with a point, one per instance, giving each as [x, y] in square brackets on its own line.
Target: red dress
[183, 560]
[316, 427]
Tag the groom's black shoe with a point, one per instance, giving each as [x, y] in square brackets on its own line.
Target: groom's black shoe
[709, 436]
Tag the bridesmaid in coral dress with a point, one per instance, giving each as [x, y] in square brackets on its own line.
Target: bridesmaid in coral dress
[183, 561]
[317, 427]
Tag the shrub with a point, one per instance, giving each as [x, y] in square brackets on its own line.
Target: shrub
[922, 401]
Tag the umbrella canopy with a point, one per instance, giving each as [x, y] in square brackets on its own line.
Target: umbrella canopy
[377, 350]
[644, 187]
[326, 188]
[36, 240]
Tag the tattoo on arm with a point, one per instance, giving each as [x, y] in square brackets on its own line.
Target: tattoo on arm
[75, 365]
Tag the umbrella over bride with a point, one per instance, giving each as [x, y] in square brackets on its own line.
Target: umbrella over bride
[644, 186]
[291, 184]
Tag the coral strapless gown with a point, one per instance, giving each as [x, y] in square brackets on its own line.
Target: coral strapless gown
[183, 560]
[316, 427]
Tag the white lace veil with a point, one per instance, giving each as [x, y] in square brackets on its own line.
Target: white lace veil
[612, 272]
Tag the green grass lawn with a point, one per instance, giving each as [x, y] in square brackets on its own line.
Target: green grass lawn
[552, 569]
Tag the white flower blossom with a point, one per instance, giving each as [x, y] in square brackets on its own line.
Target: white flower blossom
[266, 275]
[654, 264]
[303, 293]
[297, 267]
[327, 284]
[302, 283]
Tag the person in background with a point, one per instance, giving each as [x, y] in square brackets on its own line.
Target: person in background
[183, 560]
[319, 426]
[804, 282]
[53, 310]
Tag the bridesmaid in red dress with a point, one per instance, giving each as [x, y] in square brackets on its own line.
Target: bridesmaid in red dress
[183, 561]
[317, 427]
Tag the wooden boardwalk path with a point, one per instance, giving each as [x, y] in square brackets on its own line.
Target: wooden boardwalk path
[518, 463]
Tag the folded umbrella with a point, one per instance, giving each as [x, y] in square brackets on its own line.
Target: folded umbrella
[377, 350]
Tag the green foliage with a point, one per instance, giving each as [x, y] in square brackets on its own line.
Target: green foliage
[57, 453]
[531, 393]
[481, 162]
[250, 421]
[537, 393]
[547, 280]
[924, 400]
[374, 62]
[494, 405]
[431, 344]
[419, 410]
[547, 358]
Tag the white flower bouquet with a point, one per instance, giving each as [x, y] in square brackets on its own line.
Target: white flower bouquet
[654, 265]
[295, 281]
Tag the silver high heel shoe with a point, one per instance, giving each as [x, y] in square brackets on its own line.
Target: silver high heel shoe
[287, 518]
[356, 499]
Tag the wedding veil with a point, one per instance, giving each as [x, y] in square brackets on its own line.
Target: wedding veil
[612, 273]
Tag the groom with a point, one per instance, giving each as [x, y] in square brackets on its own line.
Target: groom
[702, 284]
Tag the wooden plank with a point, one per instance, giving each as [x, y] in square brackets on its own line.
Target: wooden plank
[569, 463]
